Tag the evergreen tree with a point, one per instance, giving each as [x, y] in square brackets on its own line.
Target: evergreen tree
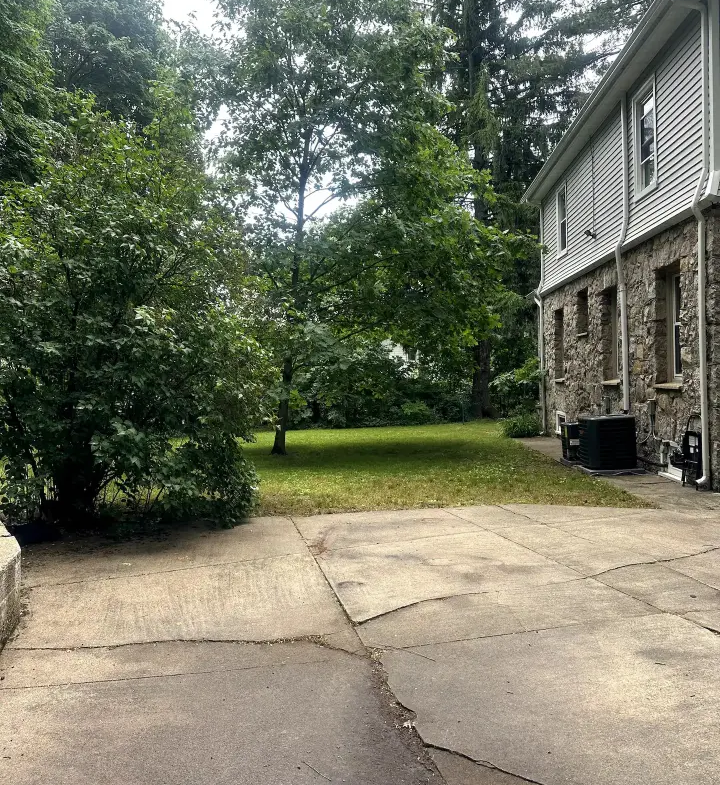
[521, 72]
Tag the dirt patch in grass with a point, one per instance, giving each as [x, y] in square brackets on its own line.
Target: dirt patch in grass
[417, 466]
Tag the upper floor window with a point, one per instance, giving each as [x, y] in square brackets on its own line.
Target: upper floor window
[645, 140]
[562, 219]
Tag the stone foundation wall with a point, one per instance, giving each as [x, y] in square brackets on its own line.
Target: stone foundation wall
[9, 585]
[589, 382]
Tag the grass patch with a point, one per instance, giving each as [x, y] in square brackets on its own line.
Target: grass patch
[416, 466]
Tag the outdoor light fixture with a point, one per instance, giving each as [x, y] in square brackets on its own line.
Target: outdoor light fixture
[590, 233]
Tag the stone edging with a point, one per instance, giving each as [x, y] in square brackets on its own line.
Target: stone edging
[9, 584]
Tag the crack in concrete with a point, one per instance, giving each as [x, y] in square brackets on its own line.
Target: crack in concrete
[484, 763]
[667, 561]
[159, 675]
[159, 572]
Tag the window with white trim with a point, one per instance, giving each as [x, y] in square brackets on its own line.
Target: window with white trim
[645, 140]
[675, 325]
[562, 218]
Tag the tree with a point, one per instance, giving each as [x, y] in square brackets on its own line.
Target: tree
[114, 49]
[25, 79]
[128, 369]
[521, 73]
[333, 104]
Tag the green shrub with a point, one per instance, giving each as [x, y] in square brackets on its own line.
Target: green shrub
[521, 425]
[127, 371]
[517, 390]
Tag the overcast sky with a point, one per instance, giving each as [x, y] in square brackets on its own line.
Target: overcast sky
[179, 10]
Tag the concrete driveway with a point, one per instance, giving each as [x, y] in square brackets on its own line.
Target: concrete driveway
[468, 646]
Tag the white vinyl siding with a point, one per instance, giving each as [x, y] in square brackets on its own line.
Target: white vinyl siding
[678, 105]
[592, 204]
[596, 202]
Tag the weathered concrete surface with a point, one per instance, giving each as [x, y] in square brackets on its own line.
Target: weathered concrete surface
[460, 771]
[221, 714]
[375, 579]
[201, 586]
[9, 584]
[264, 599]
[517, 663]
[621, 703]
[500, 613]
[87, 560]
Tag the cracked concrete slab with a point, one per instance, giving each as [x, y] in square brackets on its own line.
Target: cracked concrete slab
[704, 567]
[664, 588]
[333, 532]
[374, 579]
[488, 516]
[265, 599]
[457, 770]
[221, 714]
[651, 533]
[548, 513]
[580, 554]
[500, 613]
[612, 703]
[58, 563]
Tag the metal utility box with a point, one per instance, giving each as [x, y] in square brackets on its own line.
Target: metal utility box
[607, 443]
[570, 438]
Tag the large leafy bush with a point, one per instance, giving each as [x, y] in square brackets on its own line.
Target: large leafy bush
[127, 370]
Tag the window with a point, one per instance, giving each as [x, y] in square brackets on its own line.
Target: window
[667, 324]
[675, 347]
[645, 141]
[559, 336]
[562, 219]
[560, 418]
[581, 323]
[610, 335]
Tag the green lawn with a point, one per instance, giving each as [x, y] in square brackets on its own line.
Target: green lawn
[418, 466]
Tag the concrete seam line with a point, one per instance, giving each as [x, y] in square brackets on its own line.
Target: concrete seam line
[325, 578]
[392, 542]
[659, 561]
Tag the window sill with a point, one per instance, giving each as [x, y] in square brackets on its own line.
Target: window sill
[562, 253]
[581, 335]
[640, 195]
[669, 387]
[561, 380]
[611, 383]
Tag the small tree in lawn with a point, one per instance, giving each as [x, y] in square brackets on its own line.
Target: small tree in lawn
[332, 104]
[127, 370]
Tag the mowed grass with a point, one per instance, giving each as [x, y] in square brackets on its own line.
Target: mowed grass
[416, 466]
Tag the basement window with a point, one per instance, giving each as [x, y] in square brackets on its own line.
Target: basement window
[674, 328]
[610, 334]
[581, 313]
[559, 343]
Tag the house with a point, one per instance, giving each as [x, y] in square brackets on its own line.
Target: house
[629, 295]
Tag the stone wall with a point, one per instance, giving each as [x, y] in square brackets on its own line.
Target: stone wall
[9, 585]
[590, 381]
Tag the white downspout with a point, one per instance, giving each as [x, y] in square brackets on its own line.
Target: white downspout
[621, 288]
[541, 327]
[703, 481]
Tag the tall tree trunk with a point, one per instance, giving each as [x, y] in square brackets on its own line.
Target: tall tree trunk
[283, 410]
[480, 394]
